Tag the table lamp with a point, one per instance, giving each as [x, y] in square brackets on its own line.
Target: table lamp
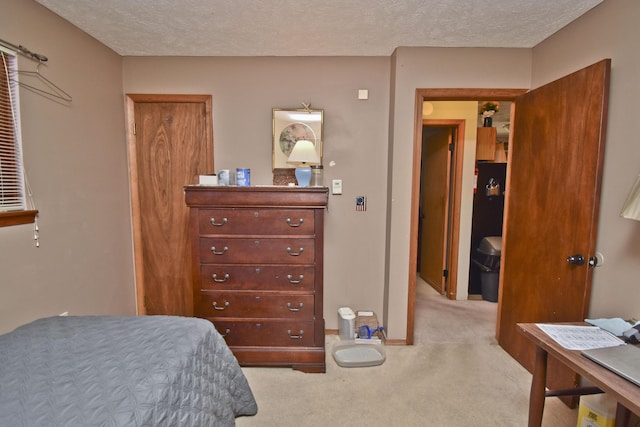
[631, 208]
[303, 155]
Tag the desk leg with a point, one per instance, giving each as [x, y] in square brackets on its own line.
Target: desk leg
[623, 416]
[538, 388]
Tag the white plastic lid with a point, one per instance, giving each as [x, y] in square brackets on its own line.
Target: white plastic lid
[346, 313]
[358, 355]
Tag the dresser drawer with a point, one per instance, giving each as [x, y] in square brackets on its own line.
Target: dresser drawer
[266, 333]
[253, 305]
[267, 277]
[256, 221]
[255, 251]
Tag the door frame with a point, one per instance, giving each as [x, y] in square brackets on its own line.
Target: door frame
[442, 94]
[130, 102]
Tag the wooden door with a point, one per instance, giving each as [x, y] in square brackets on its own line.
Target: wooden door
[170, 144]
[552, 208]
[435, 178]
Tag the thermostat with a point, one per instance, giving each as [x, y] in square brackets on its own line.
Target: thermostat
[336, 186]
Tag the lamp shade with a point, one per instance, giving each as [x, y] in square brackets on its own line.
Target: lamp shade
[631, 208]
[304, 153]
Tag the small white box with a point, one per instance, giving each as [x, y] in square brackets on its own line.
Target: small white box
[211, 179]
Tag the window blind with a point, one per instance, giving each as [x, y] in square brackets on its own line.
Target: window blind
[12, 194]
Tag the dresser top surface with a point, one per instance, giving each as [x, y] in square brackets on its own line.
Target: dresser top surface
[268, 195]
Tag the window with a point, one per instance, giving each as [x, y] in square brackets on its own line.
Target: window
[13, 207]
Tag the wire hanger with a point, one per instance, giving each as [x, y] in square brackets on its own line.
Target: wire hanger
[51, 89]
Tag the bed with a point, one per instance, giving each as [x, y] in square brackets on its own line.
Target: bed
[120, 371]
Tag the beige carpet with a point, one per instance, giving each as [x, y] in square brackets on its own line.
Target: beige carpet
[455, 375]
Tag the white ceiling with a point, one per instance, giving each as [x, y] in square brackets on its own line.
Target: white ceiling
[313, 27]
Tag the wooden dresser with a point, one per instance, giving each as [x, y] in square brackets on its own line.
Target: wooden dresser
[257, 271]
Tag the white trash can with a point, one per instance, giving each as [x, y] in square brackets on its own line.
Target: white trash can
[346, 323]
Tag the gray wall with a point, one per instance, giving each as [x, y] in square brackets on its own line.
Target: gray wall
[610, 30]
[76, 157]
[436, 68]
[245, 90]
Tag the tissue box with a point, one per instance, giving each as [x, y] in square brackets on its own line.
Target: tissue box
[211, 179]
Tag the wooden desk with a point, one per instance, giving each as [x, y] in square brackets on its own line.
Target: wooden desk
[624, 392]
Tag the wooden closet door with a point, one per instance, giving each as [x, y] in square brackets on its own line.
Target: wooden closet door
[170, 144]
[436, 173]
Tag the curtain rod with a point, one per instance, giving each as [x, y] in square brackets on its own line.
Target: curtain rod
[24, 51]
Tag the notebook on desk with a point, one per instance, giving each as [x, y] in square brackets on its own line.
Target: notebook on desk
[624, 360]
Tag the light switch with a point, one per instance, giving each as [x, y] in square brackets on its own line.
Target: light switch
[336, 186]
[363, 94]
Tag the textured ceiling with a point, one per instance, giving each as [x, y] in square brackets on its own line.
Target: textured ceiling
[313, 27]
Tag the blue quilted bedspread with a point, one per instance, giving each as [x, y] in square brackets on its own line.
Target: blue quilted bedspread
[120, 371]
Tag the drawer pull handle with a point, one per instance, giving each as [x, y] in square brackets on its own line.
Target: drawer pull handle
[298, 224]
[226, 332]
[215, 306]
[295, 337]
[293, 281]
[224, 279]
[295, 253]
[294, 309]
[213, 222]
[224, 250]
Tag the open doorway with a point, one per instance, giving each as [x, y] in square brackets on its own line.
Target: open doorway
[541, 117]
[489, 134]
[458, 254]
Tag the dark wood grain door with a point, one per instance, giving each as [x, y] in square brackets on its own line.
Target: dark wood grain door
[171, 146]
[552, 207]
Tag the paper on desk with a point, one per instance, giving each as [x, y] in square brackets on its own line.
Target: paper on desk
[574, 337]
[614, 325]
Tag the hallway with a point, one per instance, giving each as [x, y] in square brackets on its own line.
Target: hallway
[441, 322]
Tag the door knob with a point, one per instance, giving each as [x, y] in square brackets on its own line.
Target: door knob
[576, 259]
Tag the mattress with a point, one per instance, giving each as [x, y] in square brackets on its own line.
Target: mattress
[120, 371]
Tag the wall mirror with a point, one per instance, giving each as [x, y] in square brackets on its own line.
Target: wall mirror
[291, 125]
